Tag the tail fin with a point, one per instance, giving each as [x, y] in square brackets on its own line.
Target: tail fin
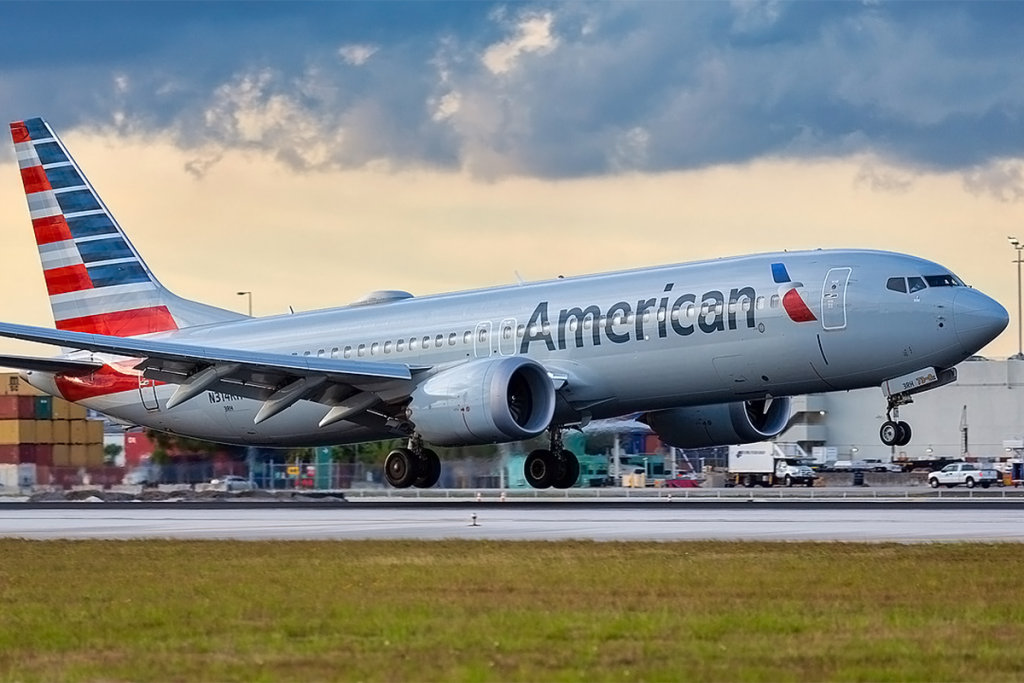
[96, 279]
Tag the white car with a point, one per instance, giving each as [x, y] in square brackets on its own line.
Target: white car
[232, 482]
[963, 473]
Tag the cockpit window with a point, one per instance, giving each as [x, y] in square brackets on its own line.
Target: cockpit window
[947, 280]
[916, 284]
[897, 284]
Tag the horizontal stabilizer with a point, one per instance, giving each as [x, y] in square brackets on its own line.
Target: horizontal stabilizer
[62, 365]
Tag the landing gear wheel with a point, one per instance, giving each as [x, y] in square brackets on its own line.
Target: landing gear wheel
[905, 433]
[569, 471]
[890, 433]
[401, 468]
[540, 468]
[429, 469]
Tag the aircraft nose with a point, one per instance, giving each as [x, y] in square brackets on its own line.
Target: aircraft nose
[978, 319]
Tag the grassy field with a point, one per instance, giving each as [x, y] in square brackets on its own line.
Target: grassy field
[479, 611]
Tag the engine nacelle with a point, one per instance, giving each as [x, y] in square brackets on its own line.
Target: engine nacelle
[726, 424]
[484, 401]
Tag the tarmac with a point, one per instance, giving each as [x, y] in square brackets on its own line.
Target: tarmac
[853, 519]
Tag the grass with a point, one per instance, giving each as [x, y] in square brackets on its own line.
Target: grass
[486, 611]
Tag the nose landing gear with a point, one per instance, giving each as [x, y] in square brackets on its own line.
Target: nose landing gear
[555, 467]
[895, 432]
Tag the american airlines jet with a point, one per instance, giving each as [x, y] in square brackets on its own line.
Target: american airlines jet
[708, 353]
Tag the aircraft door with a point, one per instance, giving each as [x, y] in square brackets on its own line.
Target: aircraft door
[147, 392]
[482, 340]
[833, 298]
[507, 337]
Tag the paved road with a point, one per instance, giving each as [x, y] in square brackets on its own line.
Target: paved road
[964, 521]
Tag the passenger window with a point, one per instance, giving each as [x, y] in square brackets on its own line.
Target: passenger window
[426, 342]
[774, 301]
[412, 344]
[759, 304]
[320, 353]
[661, 315]
[373, 348]
[361, 351]
[347, 353]
[306, 353]
[481, 337]
[334, 352]
[468, 337]
[916, 284]
[588, 322]
[387, 346]
[439, 340]
[521, 330]
[399, 345]
[451, 339]
[897, 284]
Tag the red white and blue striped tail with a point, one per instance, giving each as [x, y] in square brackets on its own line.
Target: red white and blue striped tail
[96, 280]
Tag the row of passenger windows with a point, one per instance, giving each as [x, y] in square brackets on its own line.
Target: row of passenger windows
[688, 312]
[913, 284]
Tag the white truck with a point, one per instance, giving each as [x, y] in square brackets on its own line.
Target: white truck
[765, 464]
[966, 473]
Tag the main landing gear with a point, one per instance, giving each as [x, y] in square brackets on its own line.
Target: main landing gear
[895, 432]
[413, 466]
[553, 467]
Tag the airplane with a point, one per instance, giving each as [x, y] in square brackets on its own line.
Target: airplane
[705, 353]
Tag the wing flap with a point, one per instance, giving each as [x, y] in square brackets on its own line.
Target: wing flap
[75, 368]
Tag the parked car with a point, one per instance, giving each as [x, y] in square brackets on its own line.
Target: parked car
[232, 482]
[966, 473]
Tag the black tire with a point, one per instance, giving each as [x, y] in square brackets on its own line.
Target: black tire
[568, 471]
[540, 469]
[810, 483]
[933, 482]
[430, 469]
[905, 433]
[889, 433]
[748, 482]
[985, 484]
[789, 481]
[401, 468]
[970, 482]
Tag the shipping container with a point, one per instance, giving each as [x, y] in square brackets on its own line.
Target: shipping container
[12, 454]
[79, 432]
[61, 431]
[94, 431]
[79, 455]
[61, 455]
[43, 455]
[136, 447]
[17, 407]
[44, 407]
[65, 410]
[44, 431]
[95, 455]
[11, 384]
[17, 431]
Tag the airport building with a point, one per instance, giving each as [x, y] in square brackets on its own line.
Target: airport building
[980, 415]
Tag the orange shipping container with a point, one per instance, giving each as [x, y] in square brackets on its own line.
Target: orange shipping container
[11, 384]
[94, 457]
[79, 455]
[61, 455]
[44, 431]
[65, 410]
[94, 431]
[17, 431]
[61, 431]
[79, 431]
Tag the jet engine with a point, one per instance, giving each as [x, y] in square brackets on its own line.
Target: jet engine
[484, 401]
[720, 425]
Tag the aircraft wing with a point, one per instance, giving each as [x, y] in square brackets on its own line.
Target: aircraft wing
[63, 365]
[351, 387]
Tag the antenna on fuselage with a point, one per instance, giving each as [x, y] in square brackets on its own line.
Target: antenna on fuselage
[519, 278]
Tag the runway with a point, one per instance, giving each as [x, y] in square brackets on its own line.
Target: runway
[649, 522]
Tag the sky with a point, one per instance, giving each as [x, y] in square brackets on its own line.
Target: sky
[311, 153]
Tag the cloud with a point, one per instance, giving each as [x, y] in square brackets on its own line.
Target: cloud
[541, 89]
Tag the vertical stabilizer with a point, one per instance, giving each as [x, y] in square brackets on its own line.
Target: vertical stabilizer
[96, 280]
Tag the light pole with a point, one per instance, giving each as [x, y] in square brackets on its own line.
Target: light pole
[249, 294]
[1020, 339]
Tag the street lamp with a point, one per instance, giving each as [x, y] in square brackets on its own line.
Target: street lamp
[1020, 340]
[249, 294]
